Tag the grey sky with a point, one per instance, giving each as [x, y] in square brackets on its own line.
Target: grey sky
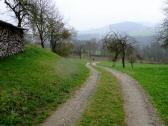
[5, 14]
[86, 14]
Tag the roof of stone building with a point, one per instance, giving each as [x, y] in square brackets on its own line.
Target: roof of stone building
[3, 23]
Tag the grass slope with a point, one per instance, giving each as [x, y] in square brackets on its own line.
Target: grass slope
[154, 79]
[106, 107]
[34, 83]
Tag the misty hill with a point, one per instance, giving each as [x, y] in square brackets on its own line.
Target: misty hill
[143, 34]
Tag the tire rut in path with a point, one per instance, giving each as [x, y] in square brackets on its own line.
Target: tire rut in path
[138, 109]
[71, 111]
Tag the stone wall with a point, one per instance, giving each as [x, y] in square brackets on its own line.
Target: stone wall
[11, 40]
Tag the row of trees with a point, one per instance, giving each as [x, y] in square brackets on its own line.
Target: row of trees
[123, 46]
[43, 19]
[119, 46]
[85, 47]
[153, 53]
[114, 45]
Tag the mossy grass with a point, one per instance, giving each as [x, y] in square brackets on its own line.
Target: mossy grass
[34, 83]
[106, 106]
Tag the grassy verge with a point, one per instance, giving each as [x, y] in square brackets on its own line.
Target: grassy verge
[154, 79]
[106, 106]
[34, 83]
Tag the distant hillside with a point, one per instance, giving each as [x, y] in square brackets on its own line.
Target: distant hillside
[144, 34]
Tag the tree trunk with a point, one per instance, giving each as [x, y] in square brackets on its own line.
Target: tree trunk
[80, 55]
[19, 23]
[115, 58]
[52, 42]
[42, 42]
[123, 59]
[123, 62]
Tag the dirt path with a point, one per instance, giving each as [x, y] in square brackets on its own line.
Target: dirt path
[139, 111]
[70, 112]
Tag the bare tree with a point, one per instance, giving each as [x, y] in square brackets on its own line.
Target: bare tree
[154, 53]
[118, 44]
[111, 42]
[39, 19]
[131, 55]
[90, 47]
[20, 8]
[78, 48]
[59, 35]
[126, 43]
[64, 43]
[55, 29]
[64, 47]
[163, 34]
[48, 24]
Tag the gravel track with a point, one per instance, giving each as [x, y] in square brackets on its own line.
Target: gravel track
[138, 109]
[69, 113]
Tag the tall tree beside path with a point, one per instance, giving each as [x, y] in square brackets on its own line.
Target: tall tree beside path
[38, 19]
[44, 20]
[48, 24]
[163, 35]
[19, 8]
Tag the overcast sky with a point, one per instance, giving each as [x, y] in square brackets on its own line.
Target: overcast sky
[88, 14]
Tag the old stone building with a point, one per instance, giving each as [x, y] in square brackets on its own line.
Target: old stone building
[11, 39]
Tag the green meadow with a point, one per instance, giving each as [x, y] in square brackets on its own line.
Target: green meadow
[153, 78]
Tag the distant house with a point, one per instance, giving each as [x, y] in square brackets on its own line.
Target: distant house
[11, 39]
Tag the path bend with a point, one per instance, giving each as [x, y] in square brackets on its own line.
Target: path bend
[71, 111]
